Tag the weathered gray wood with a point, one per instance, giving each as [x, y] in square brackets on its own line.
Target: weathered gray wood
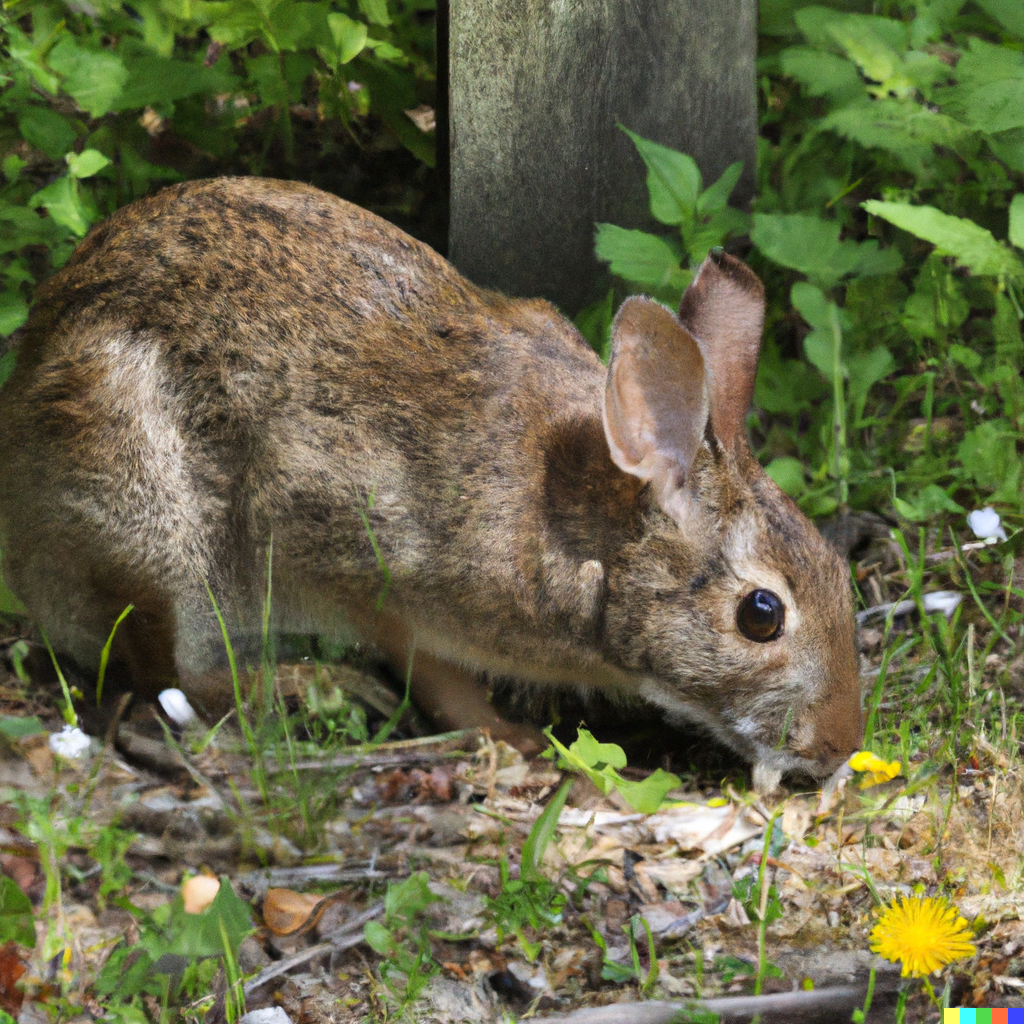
[536, 90]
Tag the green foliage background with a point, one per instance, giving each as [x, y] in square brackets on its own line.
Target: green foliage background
[887, 227]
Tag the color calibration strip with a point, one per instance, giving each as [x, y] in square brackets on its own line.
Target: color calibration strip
[980, 1016]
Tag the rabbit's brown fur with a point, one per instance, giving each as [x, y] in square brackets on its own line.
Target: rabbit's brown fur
[237, 360]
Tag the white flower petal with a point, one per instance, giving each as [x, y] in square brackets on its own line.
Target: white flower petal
[985, 523]
[70, 742]
[176, 705]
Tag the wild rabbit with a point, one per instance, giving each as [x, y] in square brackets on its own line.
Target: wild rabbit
[239, 360]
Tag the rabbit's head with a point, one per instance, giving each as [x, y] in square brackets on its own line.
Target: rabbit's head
[730, 603]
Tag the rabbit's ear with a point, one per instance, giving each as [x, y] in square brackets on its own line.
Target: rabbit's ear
[655, 399]
[724, 310]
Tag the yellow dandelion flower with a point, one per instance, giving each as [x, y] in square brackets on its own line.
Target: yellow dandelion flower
[877, 769]
[922, 934]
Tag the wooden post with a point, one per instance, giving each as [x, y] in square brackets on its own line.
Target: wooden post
[537, 88]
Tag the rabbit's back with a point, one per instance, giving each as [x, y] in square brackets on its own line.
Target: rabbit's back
[237, 360]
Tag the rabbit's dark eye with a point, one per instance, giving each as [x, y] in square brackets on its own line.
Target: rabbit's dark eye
[761, 616]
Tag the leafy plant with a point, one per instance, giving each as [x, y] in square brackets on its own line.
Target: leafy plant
[531, 899]
[205, 942]
[888, 226]
[601, 762]
[102, 103]
[403, 939]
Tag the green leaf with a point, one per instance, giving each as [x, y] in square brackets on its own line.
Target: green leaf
[788, 473]
[640, 257]
[988, 454]
[15, 914]
[375, 11]
[62, 201]
[1010, 13]
[47, 130]
[647, 795]
[16, 728]
[378, 938]
[811, 245]
[542, 833]
[349, 36]
[13, 313]
[716, 197]
[158, 82]
[1016, 232]
[203, 934]
[673, 180]
[823, 74]
[87, 163]
[970, 244]
[93, 78]
[907, 130]
[811, 303]
[594, 754]
[930, 501]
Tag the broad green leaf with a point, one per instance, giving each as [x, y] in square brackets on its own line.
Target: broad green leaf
[156, 82]
[204, 934]
[297, 26]
[788, 473]
[1009, 147]
[1007, 334]
[25, 52]
[996, 107]
[873, 55]
[349, 36]
[647, 795]
[47, 130]
[716, 197]
[820, 350]
[823, 74]
[811, 303]
[819, 25]
[638, 256]
[15, 914]
[87, 163]
[1009, 12]
[63, 202]
[592, 753]
[970, 244]
[378, 938]
[673, 180]
[1016, 232]
[93, 78]
[907, 130]
[376, 11]
[811, 245]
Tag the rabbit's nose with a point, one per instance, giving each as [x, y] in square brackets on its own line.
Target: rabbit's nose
[834, 729]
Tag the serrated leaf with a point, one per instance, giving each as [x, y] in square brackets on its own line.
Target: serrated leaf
[823, 74]
[87, 163]
[907, 130]
[638, 256]
[378, 938]
[227, 917]
[970, 244]
[872, 54]
[673, 180]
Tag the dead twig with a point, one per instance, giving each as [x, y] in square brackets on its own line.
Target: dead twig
[840, 998]
[348, 935]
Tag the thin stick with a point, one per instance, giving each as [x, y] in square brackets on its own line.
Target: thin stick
[843, 997]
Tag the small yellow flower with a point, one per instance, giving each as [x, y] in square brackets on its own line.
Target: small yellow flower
[878, 769]
[922, 934]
